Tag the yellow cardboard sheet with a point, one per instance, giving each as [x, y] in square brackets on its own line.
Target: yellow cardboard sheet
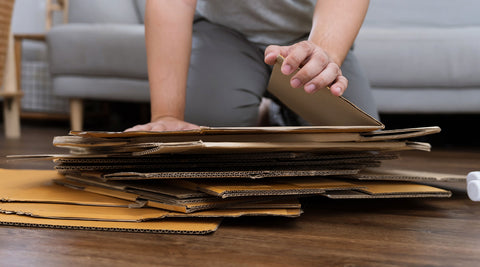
[385, 174]
[289, 186]
[396, 188]
[37, 186]
[120, 214]
[180, 206]
[170, 225]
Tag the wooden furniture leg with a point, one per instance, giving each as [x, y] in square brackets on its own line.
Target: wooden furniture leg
[76, 114]
[11, 94]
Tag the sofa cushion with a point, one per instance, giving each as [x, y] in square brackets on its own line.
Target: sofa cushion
[98, 50]
[427, 100]
[420, 56]
[104, 11]
[102, 88]
[424, 13]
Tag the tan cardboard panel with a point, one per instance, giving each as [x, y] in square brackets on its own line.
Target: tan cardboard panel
[405, 175]
[37, 186]
[351, 194]
[225, 174]
[139, 187]
[320, 108]
[293, 186]
[121, 214]
[399, 133]
[229, 130]
[171, 205]
[166, 226]
[256, 147]
[386, 188]
[78, 141]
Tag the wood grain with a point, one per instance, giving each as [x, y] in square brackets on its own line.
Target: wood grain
[369, 232]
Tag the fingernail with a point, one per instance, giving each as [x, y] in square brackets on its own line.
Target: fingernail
[336, 91]
[310, 88]
[295, 83]
[286, 69]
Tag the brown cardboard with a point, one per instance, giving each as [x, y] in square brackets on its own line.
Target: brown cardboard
[165, 203]
[398, 188]
[388, 189]
[118, 176]
[37, 186]
[405, 175]
[122, 214]
[362, 195]
[199, 147]
[319, 108]
[293, 186]
[165, 226]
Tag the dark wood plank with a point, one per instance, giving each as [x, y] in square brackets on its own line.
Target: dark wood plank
[399, 232]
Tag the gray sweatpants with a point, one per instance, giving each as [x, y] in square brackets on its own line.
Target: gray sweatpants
[227, 79]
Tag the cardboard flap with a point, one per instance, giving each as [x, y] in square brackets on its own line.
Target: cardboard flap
[319, 108]
[166, 226]
[37, 186]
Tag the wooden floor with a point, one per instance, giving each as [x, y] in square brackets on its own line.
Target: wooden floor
[402, 232]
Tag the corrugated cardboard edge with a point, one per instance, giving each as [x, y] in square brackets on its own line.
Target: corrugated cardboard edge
[360, 195]
[198, 226]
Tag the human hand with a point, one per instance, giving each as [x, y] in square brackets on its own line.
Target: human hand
[317, 68]
[165, 123]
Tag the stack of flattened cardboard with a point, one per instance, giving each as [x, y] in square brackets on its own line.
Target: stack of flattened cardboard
[186, 181]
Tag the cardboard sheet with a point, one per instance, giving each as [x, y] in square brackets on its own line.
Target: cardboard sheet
[170, 204]
[293, 186]
[398, 188]
[120, 214]
[37, 186]
[385, 174]
[220, 174]
[166, 226]
[319, 108]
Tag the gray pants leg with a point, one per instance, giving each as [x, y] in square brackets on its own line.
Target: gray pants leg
[227, 78]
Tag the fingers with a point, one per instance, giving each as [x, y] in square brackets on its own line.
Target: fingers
[273, 51]
[164, 124]
[339, 86]
[316, 69]
[139, 128]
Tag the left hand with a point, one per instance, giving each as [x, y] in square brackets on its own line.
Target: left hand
[317, 68]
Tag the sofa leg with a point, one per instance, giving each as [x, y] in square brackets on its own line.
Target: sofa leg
[11, 93]
[76, 114]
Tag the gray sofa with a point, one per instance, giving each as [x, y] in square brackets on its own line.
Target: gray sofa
[100, 54]
[420, 56]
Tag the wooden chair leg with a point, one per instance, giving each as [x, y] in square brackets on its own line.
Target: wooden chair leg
[76, 114]
[11, 94]
[11, 115]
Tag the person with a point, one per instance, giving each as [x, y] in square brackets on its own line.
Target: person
[209, 61]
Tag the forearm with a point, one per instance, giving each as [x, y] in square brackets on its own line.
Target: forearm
[168, 38]
[336, 24]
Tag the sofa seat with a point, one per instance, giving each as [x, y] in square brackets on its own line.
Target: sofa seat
[116, 50]
[426, 70]
[422, 56]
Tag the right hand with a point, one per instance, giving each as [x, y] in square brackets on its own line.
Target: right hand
[162, 124]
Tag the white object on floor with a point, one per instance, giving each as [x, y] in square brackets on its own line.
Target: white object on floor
[473, 185]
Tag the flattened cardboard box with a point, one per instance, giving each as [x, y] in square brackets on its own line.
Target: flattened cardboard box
[37, 186]
[167, 226]
[383, 174]
[172, 205]
[121, 214]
